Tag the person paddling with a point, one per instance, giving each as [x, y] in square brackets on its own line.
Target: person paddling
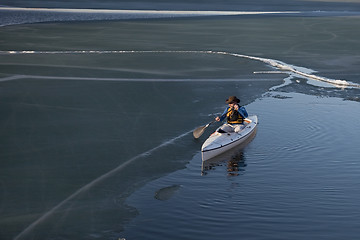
[234, 114]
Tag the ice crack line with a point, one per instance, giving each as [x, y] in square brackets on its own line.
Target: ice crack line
[301, 71]
[96, 181]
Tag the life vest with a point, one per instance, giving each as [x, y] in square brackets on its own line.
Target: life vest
[234, 117]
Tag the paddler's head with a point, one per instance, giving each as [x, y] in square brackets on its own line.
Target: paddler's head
[232, 101]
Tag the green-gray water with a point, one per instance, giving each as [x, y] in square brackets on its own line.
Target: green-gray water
[89, 138]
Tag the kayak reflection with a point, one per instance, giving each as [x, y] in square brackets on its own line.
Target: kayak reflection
[236, 164]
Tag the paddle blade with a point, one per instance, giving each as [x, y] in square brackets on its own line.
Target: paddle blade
[199, 131]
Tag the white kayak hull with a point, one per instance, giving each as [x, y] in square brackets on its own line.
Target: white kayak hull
[219, 143]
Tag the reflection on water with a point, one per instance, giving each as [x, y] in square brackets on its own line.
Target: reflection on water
[236, 164]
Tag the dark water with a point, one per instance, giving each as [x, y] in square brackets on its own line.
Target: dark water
[290, 182]
[244, 5]
[96, 121]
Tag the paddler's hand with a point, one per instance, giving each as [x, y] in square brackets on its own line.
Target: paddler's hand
[217, 119]
[236, 107]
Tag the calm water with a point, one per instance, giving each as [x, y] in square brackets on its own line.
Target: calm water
[290, 182]
[96, 122]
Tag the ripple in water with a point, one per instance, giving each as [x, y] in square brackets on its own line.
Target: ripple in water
[298, 180]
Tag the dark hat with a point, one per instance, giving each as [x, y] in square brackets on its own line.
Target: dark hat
[232, 99]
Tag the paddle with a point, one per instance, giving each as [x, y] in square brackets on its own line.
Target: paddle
[200, 130]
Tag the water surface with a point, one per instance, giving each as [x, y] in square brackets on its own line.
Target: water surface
[96, 118]
[292, 179]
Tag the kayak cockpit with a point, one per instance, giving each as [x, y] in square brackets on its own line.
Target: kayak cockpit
[221, 141]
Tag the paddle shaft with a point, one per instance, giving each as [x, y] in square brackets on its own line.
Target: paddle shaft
[200, 130]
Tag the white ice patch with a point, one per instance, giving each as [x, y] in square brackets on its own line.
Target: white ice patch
[146, 12]
[15, 15]
[279, 65]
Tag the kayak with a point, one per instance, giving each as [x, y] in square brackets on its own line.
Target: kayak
[220, 142]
